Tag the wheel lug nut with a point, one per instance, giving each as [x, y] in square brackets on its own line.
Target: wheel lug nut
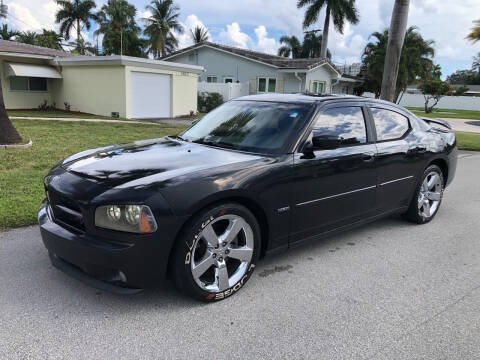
[214, 255]
[227, 251]
[220, 258]
[224, 243]
[216, 246]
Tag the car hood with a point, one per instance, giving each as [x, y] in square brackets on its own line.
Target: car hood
[164, 158]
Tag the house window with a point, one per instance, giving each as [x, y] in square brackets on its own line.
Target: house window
[211, 79]
[266, 85]
[227, 80]
[318, 87]
[22, 83]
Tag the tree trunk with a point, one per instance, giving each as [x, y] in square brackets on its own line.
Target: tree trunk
[326, 25]
[396, 37]
[79, 33]
[8, 133]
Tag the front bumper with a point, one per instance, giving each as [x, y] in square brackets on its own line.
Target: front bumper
[121, 267]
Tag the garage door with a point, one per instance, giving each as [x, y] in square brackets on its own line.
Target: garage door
[151, 95]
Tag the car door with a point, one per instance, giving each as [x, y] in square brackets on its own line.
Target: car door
[335, 187]
[397, 156]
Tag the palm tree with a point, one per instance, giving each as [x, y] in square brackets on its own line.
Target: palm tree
[476, 63]
[6, 33]
[8, 133]
[27, 37]
[312, 46]
[49, 39]
[199, 34]
[339, 10]
[475, 34]
[160, 26]
[291, 46]
[74, 14]
[116, 22]
[398, 27]
[415, 61]
[83, 47]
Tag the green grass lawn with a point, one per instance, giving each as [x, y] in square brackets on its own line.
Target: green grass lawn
[447, 113]
[468, 141]
[57, 114]
[22, 171]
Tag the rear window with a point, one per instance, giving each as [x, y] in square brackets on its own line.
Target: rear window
[389, 125]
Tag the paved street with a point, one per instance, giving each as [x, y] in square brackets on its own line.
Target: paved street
[389, 290]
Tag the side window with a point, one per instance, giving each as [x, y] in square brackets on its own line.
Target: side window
[390, 125]
[346, 122]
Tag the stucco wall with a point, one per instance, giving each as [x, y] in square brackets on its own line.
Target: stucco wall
[24, 99]
[322, 73]
[222, 64]
[96, 89]
[184, 90]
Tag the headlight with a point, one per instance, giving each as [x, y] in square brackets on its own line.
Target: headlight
[128, 218]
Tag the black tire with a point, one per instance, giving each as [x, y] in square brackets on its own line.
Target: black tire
[414, 213]
[184, 251]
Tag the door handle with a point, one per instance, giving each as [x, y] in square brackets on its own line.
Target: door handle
[368, 157]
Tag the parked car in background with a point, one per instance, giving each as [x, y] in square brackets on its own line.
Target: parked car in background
[256, 175]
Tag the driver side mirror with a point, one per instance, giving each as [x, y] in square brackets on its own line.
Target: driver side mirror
[325, 142]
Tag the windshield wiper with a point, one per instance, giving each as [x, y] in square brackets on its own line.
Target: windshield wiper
[219, 144]
[178, 137]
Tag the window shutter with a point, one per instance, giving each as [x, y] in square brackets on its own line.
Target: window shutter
[280, 85]
[253, 86]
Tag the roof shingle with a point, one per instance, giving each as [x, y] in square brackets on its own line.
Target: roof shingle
[19, 48]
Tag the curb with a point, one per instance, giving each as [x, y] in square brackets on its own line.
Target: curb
[15, 146]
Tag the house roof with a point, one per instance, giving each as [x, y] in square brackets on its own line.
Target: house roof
[274, 60]
[13, 47]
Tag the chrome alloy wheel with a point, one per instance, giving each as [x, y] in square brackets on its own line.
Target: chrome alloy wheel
[222, 253]
[430, 194]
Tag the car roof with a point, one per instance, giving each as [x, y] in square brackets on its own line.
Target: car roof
[308, 98]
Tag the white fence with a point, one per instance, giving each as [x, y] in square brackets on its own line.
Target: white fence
[446, 102]
[228, 91]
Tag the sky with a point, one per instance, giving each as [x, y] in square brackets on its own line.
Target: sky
[258, 24]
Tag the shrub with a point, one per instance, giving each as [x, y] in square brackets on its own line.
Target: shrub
[67, 106]
[434, 90]
[209, 101]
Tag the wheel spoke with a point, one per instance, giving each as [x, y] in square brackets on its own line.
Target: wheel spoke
[433, 181]
[426, 207]
[209, 234]
[199, 269]
[424, 187]
[434, 196]
[420, 200]
[241, 253]
[232, 230]
[221, 274]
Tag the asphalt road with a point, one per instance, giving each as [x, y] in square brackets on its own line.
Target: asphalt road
[389, 290]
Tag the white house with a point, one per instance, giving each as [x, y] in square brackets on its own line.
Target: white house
[264, 72]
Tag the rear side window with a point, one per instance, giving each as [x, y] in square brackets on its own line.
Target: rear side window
[346, 123]
[390, 125]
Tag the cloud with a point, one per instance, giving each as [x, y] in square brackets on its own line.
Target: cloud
[264, 43]
[25, 17]
[190, 23]
[234, 36]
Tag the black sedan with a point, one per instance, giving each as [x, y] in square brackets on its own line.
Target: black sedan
[256, 175]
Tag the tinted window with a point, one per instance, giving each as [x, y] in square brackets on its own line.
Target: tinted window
[347, 123]
[38, 84]
[389, 124]
[249, 125]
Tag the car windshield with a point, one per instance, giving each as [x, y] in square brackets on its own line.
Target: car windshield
[249, 125]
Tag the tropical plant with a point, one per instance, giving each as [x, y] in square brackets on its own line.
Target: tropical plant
[340, 11]
[398, 27]
[464, 77]
[116, 21]
[27, 37]
[209, 101]
[199, 34]
[8, 133]
[415, 61]
[74, 15]
[476, 63]
[82, 47]
[291, 46]
[309, 48]
[475, 34]
[160, 25]
[49, 39]
[6, 33]
[433, 91]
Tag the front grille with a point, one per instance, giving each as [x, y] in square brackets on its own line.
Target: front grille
[65, 211]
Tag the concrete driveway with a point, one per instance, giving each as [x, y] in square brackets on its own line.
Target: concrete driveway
[389, 290]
